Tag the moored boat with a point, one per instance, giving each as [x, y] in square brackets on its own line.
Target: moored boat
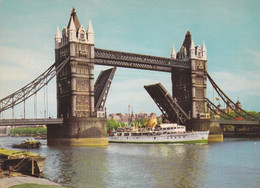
[41, 137]
[165, 133]
[29, 144]
[21, 161]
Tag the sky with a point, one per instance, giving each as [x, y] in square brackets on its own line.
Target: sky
[229, 28]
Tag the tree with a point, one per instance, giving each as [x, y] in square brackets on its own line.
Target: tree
[142, 122]
[112, 124]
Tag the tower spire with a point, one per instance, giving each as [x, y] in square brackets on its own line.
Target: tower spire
[57, 38]
[203, 46]
[58, 35]
[72, 30]
[173, 53]
[204, 50]
[90, 33]
[192, 46]
[90, 28]
[72, 25]
[192, 49]
[73, 16]
[73, 11]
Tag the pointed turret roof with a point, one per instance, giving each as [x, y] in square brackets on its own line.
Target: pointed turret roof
[72, 25]
[90, 28]
[203, 46]
[192, 45]
[57, 35]
[187, 41]
[73, 16]
[173, 53]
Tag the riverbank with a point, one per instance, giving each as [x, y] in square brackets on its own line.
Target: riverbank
[241, 135]
[28, 132]
[27, 181]
[19, 180]
[22, 168]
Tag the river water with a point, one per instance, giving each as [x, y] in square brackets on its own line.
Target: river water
[232, 163]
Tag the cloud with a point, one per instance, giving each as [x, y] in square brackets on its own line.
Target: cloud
[127, 88]
[257, 54]
[130, 91]
[256, 57]
[246, 83]
[19, 67]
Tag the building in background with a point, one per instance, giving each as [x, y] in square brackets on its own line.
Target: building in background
[131, 117]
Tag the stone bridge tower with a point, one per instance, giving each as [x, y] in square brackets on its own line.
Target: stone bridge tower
[75, 88]
[189, 86]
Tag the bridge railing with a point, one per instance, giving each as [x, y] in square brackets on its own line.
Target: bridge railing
[34, 121]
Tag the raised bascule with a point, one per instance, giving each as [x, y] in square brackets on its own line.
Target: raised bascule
[81, 102]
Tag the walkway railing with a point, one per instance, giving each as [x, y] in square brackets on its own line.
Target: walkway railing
[28, 122]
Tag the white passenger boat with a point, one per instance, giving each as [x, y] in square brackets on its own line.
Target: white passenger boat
[165, 133]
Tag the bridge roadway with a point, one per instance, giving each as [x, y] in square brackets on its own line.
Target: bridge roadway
[55, 121]
[30, 122]
[236, 122]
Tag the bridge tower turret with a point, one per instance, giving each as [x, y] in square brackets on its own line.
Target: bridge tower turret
[57, 38]
[75, 86]
[189, 86]
[173, 53]
[90, 32]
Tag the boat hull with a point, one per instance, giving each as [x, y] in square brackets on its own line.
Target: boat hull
[28, 145]
[24, 165]
[21, 161]
[187, 138]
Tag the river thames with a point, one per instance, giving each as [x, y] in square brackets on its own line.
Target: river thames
[232, 163]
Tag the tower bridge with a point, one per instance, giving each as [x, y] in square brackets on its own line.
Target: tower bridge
[81, 118]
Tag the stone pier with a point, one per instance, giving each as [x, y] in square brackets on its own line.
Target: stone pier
[78, 132]
[215, 132]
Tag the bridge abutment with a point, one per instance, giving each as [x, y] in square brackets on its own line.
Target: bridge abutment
[215, 132]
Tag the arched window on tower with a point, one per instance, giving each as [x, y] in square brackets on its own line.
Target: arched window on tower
[82, 33]
[82, 36]
[198, 51]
